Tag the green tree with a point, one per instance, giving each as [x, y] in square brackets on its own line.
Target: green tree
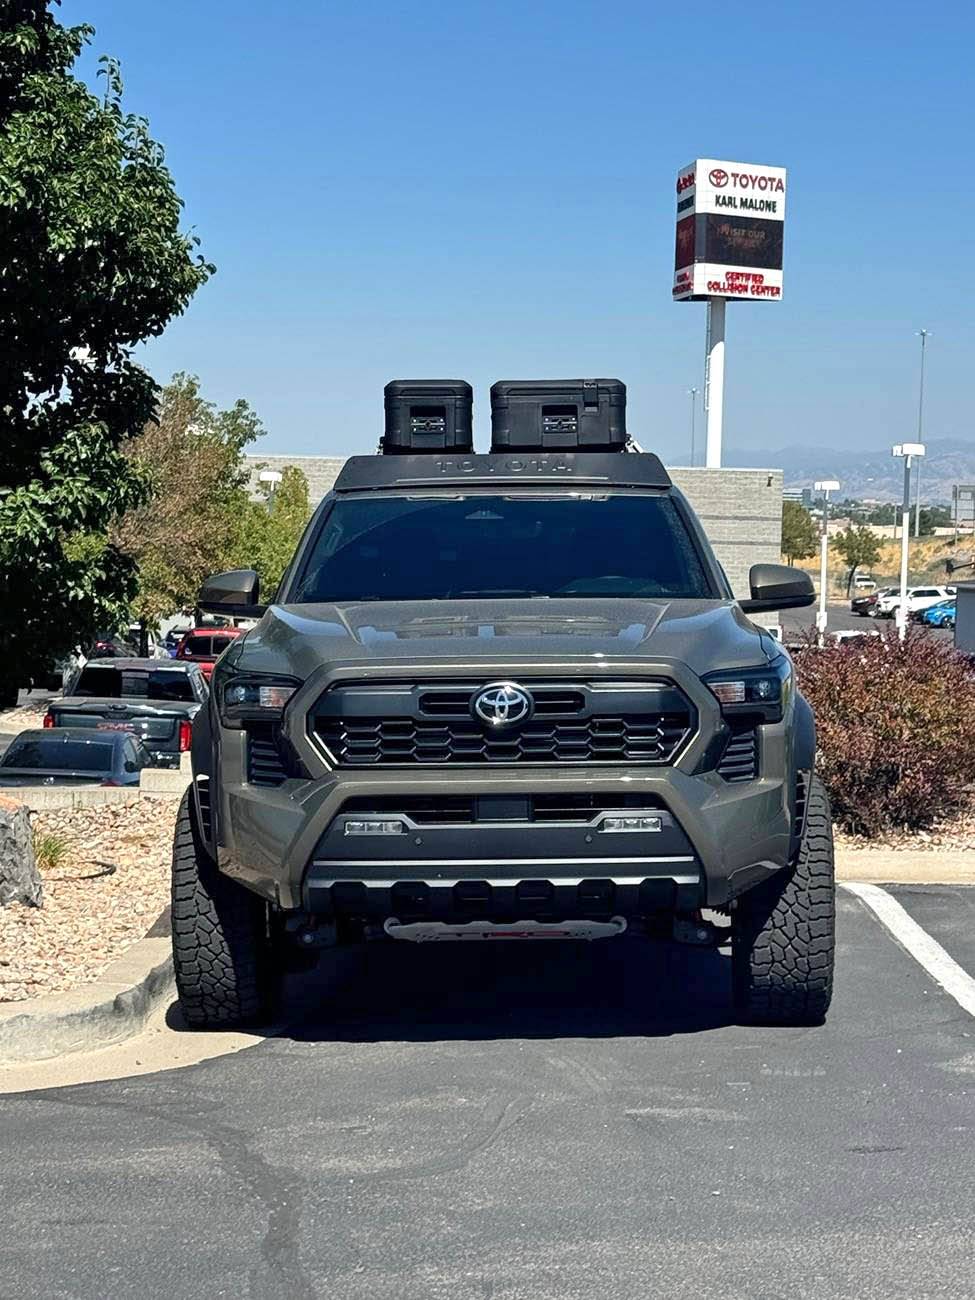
[92, 262]
[191, 456]
[856, 547]
[270, 529]
[799, 535]
[933, 517]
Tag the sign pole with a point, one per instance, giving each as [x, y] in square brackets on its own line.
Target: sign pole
[714, 380]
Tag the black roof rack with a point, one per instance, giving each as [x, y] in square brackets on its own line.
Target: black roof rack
[592, 469]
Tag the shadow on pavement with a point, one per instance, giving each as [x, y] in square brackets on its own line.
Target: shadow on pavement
[423, 993]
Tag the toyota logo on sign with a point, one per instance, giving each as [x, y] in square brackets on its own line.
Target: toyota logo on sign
[718, 177]
[502, 704]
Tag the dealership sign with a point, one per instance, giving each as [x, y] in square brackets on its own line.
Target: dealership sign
[730, 223]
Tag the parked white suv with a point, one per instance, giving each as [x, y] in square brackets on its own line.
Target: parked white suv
[918, 598]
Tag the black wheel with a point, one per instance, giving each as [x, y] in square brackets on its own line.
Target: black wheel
[221, 946]
[783, 932]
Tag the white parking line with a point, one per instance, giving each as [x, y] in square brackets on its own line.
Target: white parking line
[927, 952]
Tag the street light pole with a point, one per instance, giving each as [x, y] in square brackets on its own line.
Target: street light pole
[825, 486]
[907, 450]
[692, 392]
[923, 335]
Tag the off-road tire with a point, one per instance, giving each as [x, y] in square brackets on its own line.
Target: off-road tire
[221, 948]
[783, 931]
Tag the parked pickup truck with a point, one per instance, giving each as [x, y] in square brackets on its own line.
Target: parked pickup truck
[155, 700]
[205, 645]
[504, 697]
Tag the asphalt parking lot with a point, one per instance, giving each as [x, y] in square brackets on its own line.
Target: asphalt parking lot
[527, 1121]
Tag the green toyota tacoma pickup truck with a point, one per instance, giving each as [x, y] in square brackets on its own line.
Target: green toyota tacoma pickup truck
[504, 696]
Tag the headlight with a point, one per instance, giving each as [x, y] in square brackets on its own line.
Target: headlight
[758, 692]
[252, 697]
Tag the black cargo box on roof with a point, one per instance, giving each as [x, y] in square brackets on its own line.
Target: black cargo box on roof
[425, 415]
[558, 414]
[557, 469]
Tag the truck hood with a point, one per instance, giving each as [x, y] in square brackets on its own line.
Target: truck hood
[295, 640]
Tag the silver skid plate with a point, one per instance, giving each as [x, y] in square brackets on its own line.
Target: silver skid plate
[443, 931]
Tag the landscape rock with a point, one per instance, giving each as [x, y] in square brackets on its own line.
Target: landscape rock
[20, 881]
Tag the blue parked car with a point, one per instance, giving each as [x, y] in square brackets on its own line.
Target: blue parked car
[73, 756]
[940, 615]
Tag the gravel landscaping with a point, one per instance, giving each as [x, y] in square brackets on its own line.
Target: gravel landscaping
[90, 915]
[30, 714]
[954, 834]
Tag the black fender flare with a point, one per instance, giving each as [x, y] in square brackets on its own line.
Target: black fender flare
[804, 744]
[204, 775]
[803, 765]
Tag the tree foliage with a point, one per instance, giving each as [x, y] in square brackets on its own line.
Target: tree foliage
[269, 530]
[889, 512]
[856, 547]
[92, 262]
[799, 535]
[190, 456]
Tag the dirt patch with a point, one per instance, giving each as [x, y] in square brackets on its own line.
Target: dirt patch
[91, 914]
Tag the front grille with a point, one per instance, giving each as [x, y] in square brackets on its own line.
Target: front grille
[632, 738]
[446, 810]
[265, 765]
[428, 810]
[584, 807]
[739, 762]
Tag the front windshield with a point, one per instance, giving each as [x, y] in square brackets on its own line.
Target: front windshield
[448, 548]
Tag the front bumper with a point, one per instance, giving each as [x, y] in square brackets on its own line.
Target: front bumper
[504, 870]
[280, 842]
[287, 843]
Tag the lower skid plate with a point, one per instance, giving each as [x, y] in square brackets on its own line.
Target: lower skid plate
[444, 931]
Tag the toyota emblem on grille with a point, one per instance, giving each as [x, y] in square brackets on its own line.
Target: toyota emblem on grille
[502, 704]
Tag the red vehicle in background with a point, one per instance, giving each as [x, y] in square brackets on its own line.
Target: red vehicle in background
[205, 645]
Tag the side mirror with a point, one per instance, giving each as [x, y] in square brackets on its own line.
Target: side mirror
[777, 586]
[235, 593]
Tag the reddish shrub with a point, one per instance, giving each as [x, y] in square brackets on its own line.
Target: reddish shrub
[895, 727]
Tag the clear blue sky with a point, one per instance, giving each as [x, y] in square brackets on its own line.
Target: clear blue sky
[486, 190]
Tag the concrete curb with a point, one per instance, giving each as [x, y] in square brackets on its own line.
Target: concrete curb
[113, 1008]
[906, 866]
[156, 783]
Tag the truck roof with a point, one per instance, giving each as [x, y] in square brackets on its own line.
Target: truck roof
[592, 469]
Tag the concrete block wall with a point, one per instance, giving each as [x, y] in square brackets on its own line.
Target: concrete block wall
[741, 509]
[320, 471]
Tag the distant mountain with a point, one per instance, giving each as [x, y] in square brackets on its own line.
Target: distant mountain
[873, 474]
